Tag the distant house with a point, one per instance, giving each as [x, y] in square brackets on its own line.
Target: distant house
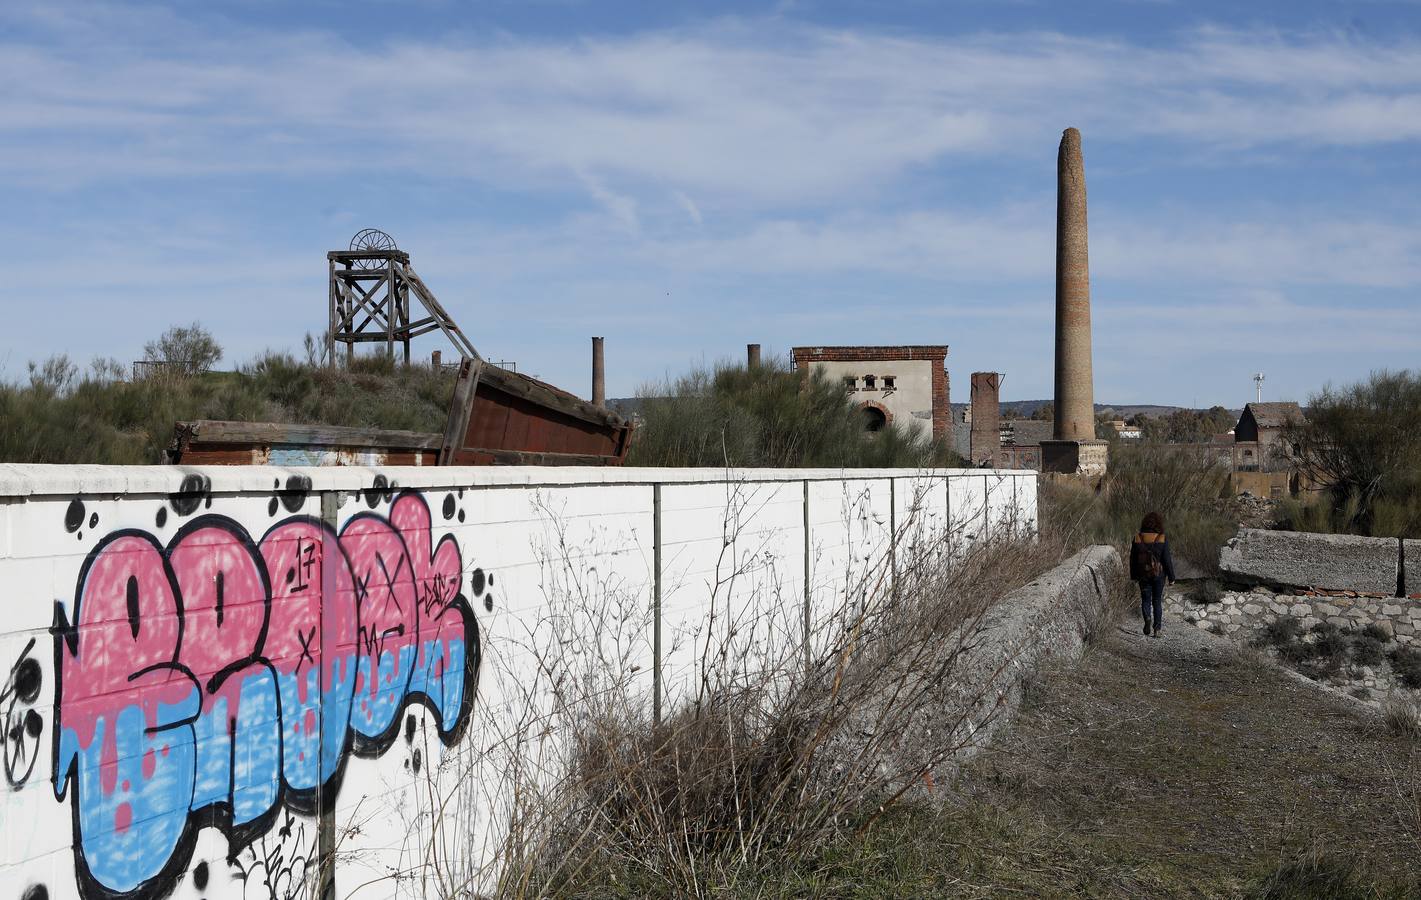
[1263, 423]
[1127, 432]
[1258, 436]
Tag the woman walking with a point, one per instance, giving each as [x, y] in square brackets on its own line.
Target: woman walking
[1150, 564]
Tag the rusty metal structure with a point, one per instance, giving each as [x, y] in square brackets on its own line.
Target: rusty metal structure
[496, 416]
[371, 285]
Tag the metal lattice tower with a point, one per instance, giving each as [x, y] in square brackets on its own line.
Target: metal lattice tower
[370, 289]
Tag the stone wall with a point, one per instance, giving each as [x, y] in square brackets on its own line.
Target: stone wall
[1250, 611]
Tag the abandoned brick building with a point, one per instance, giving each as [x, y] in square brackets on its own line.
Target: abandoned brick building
[894, 385]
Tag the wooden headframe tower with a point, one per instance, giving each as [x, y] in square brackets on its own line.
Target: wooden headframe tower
[370, 289]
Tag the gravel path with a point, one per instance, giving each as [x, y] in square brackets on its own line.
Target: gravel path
[1195, 765]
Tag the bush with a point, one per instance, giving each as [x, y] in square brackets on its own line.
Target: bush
[1369, 466]
[1366, 650]
[59, 417]
[1189, 491]
[183, 351]
[1406, 663]
[1208, 591]
[768, 416]
[1402, 717]
[1376, 633]
[1281, 631]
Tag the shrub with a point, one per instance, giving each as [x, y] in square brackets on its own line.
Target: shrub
[1366, 650]
[1402, 717]
[1315, 874]
[768, 416]
[1376, 633]
[1406, 663]
[1281, 631]
[183, 351]
[1208, 591]
[1370, 467]
[1181, 485]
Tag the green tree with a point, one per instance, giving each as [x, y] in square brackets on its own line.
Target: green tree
[184, 350]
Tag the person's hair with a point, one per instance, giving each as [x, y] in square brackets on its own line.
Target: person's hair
[1152, 523]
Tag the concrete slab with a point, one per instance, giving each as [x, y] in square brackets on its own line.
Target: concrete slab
[1412, 554]
[1295, 559]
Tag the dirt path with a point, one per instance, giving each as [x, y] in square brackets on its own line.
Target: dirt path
[1185, 767]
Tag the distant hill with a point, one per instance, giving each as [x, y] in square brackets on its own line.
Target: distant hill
[1025, 408]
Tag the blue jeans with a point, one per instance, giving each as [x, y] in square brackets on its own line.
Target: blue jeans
[1152, 597]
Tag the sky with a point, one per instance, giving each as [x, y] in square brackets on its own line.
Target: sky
[685, 178]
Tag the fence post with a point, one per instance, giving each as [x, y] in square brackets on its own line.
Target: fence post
[807, 568]
[325, 806]
[656, 603]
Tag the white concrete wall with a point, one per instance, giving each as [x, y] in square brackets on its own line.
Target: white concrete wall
[188, 654]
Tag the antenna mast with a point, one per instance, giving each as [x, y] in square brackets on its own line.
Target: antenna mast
[1258, 383]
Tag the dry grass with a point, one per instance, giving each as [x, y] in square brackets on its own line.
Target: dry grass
[1402, 717]
[775, 756]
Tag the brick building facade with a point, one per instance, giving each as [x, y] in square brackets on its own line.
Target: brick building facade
[893, 385]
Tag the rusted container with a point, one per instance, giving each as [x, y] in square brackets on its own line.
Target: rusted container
[498, 417]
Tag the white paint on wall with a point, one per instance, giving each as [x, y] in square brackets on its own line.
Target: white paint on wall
[170, 609]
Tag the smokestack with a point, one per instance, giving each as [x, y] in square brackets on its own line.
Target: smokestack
[435, 360]
[752, 356]
[599, 375]
[985, 436]
[1075, 396]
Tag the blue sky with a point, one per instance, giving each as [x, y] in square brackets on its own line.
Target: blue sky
[686, 178]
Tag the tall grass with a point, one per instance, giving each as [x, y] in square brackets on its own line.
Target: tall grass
[1189, 491]
[768, 416]
[62, 416]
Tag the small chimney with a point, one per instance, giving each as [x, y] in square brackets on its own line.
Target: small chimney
[752, 356]
[985, 438]
[435, 359]
[599, 375]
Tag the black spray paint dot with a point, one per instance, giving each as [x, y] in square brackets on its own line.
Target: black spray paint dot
[290, 574]
[378, 491]
[28, 679]
[461, 515]
[190, 494]
[490, 579]
[409, 729]
[448, 506]
[199, 875]
[131, 595]
[417, 761]
[488, 601]
[80, 535]
[35, 892]
[74, 516]
[297, 487]
[33, 725]
[276, 485]
[162, 517]
[271, 507]
[476, 581]
[461, 493]
[207, 502]
[93, 520]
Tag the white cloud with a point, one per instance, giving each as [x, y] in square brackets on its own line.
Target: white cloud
[759, 113]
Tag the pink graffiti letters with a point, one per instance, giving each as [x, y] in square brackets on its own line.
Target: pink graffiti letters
[214, 680]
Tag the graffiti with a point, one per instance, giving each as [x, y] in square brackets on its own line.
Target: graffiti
[20, 723]
[217, 680]
[276, 869]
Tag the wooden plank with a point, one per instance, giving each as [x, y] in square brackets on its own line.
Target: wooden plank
[209, 431]
[460, 408]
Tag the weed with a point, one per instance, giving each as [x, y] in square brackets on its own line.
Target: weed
[1402, 717]
[1366, 650]
[1406, 663]
[1206, 592]
[1376, 633]
[1282, 630]
[1316, 874]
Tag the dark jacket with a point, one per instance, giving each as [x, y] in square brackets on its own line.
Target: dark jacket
[1158, 546]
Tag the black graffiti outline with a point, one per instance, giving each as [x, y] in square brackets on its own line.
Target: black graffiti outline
[20, 723]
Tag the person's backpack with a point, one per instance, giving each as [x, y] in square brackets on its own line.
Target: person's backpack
[1145, 563]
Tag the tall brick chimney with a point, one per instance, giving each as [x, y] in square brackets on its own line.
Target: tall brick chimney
[599, 377]
[1075, 395]
[752, 356]
[985, 437]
